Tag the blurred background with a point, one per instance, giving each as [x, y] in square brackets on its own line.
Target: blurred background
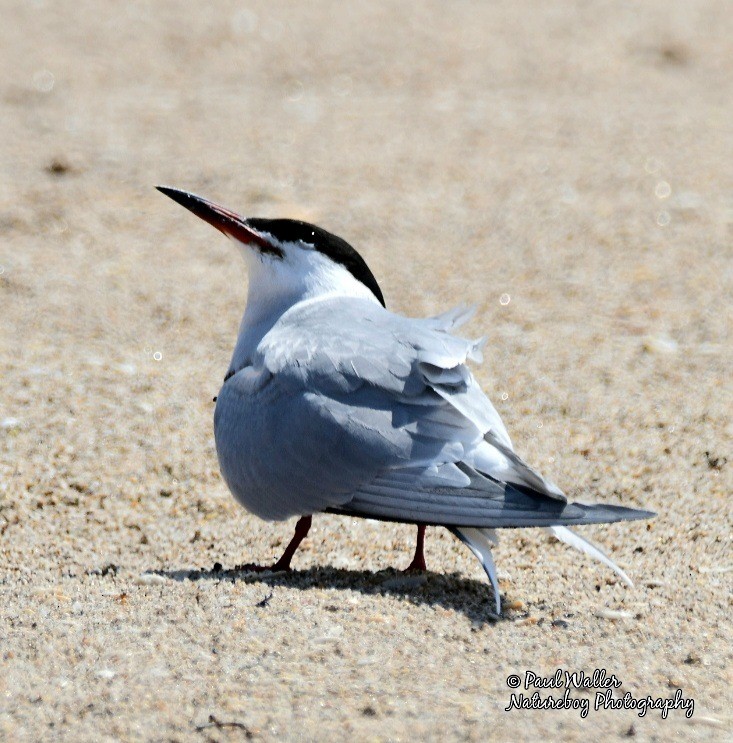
[566, 168]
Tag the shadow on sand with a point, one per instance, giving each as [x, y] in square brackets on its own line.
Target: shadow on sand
[472, 598]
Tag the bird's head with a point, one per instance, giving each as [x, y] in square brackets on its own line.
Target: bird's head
[289, 260]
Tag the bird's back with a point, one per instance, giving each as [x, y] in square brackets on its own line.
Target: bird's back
[339, 393]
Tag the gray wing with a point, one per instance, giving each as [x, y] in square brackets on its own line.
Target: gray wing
[292, 446]
[485, 503]
[363, 411]
[287, 450]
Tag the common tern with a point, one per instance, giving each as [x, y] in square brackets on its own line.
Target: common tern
[332, 403]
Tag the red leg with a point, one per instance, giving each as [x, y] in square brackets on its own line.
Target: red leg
[418, 561]
[301, 532]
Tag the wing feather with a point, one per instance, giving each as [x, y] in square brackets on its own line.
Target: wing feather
[354, 408]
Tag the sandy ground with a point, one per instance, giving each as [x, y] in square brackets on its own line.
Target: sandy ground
[577, 159]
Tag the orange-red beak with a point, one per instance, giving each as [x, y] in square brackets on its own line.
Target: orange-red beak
[231, 224]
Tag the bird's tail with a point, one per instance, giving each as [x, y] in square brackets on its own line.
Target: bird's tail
[480, 542]
[583, 545]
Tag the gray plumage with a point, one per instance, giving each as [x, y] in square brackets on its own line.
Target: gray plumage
[344, 405]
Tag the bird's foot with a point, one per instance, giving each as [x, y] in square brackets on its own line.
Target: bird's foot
[417, 565]
[277, 567]
[283, 564]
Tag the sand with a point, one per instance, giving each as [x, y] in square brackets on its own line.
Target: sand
[566, 169]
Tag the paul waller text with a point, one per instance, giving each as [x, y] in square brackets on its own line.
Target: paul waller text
[605, 686]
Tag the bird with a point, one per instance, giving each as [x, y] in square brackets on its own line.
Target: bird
[332, 403]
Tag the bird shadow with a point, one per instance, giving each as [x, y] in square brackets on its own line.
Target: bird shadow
[472, 598]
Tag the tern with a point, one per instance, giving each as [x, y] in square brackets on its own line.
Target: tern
[332, 403]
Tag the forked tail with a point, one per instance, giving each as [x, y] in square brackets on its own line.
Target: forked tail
[480, 542]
